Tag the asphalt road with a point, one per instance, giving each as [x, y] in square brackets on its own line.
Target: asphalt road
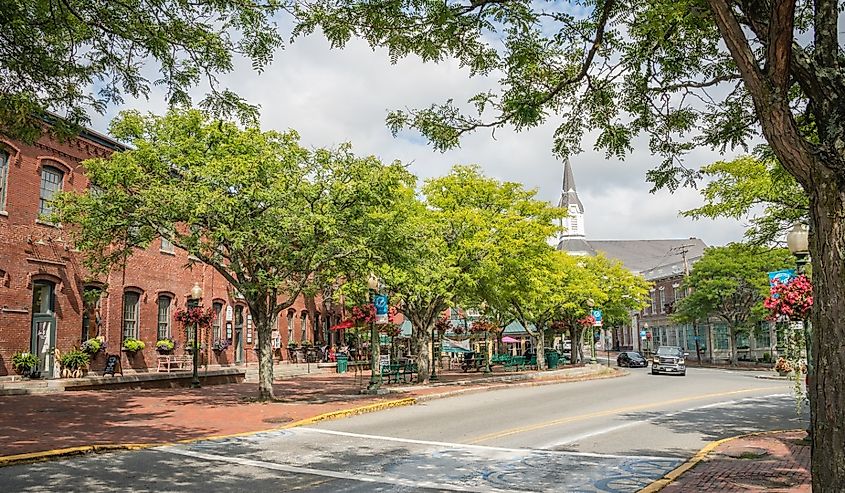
[614, 435]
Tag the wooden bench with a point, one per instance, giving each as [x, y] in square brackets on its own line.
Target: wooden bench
[409, 370]
[515, 363]
[501, 359]
[168, 363]
[396, 370]
[475, 363]
[391, 371]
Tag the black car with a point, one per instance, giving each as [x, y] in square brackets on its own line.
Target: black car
[631, 359]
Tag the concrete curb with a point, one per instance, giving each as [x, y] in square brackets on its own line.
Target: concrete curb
[9, 460]
[702, 454]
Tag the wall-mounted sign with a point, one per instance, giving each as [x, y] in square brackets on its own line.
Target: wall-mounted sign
[230, 314]
[249, 321]
[229, 330]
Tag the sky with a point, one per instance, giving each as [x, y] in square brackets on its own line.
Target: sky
[334, 96]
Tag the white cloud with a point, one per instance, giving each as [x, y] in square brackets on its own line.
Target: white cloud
[336, 96]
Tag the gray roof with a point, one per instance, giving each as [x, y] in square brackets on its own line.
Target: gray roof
[568, 194]
[575, 244]
[640, 255]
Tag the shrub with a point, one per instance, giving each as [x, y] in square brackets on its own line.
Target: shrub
[767, 357]
[74, 359]
[132, 345]
[24, 362]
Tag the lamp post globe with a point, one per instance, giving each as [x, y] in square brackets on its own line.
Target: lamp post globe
[798, 241]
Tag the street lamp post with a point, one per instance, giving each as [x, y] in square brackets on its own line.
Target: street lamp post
[798, 242]
[433, 376]
[196, 297]
[375, 371]
[647, 340]
[593, 360]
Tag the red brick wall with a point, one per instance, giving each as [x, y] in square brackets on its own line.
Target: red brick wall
[31, 250]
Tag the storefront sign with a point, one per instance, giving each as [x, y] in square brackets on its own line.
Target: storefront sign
[230, 314]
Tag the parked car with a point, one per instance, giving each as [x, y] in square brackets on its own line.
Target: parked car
[631, 359]
[669, 359]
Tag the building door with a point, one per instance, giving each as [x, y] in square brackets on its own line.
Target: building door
[239, 334]
[43, 336]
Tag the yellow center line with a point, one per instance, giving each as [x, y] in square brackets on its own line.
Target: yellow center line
[609, 412]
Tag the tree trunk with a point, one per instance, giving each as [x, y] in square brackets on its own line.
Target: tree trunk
[541, 348]
[420, 339]
[577, 356]
[732, 344]
[827, 388]
[264, 326]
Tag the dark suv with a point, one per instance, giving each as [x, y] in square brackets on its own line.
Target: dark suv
[669, 359]
[631, 359]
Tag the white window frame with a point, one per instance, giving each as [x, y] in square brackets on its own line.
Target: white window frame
[4, 178]
[44, 208]
[166, 323]
[133, 332]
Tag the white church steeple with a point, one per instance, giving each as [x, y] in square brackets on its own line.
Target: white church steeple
[574, 223]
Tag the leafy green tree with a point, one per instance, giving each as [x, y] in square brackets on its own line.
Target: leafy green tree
[684, 74]
[454, 238]
[742, 186]
[72, 56]
[731, 283]
[264, 212]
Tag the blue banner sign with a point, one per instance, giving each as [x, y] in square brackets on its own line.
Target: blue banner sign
[781, 276]
[598, 317]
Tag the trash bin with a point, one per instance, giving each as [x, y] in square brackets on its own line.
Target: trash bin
[552, 359]
[342, 363]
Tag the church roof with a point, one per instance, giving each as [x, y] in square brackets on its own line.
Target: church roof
[638, 255]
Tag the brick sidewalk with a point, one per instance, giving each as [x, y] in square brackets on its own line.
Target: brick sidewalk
[40, 422]
[776, 462]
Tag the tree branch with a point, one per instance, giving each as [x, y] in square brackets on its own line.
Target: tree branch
[779, 51]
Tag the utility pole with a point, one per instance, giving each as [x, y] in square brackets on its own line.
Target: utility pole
[683, 252]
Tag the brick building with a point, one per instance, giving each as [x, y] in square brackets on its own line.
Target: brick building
[49, 301]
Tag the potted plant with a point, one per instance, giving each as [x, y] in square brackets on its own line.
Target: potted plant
[783, 366]
[165, 346]
[25, 363]
[220, 345]
[189, 346]
[74, 363]
[93, 346]
[132, 345]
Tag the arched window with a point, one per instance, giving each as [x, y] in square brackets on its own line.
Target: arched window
[51, 182]
[91, 298]
[290, 326]
[4, 174]
[218, 320]
[131, 313]
[164, 302]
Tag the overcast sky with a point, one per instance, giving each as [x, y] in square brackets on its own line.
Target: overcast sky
[331, 97]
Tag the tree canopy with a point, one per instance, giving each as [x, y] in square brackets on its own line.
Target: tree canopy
[269, 215]
[757, 189]
[73, 56]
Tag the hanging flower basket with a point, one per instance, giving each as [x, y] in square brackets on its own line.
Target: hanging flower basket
[791, 300]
